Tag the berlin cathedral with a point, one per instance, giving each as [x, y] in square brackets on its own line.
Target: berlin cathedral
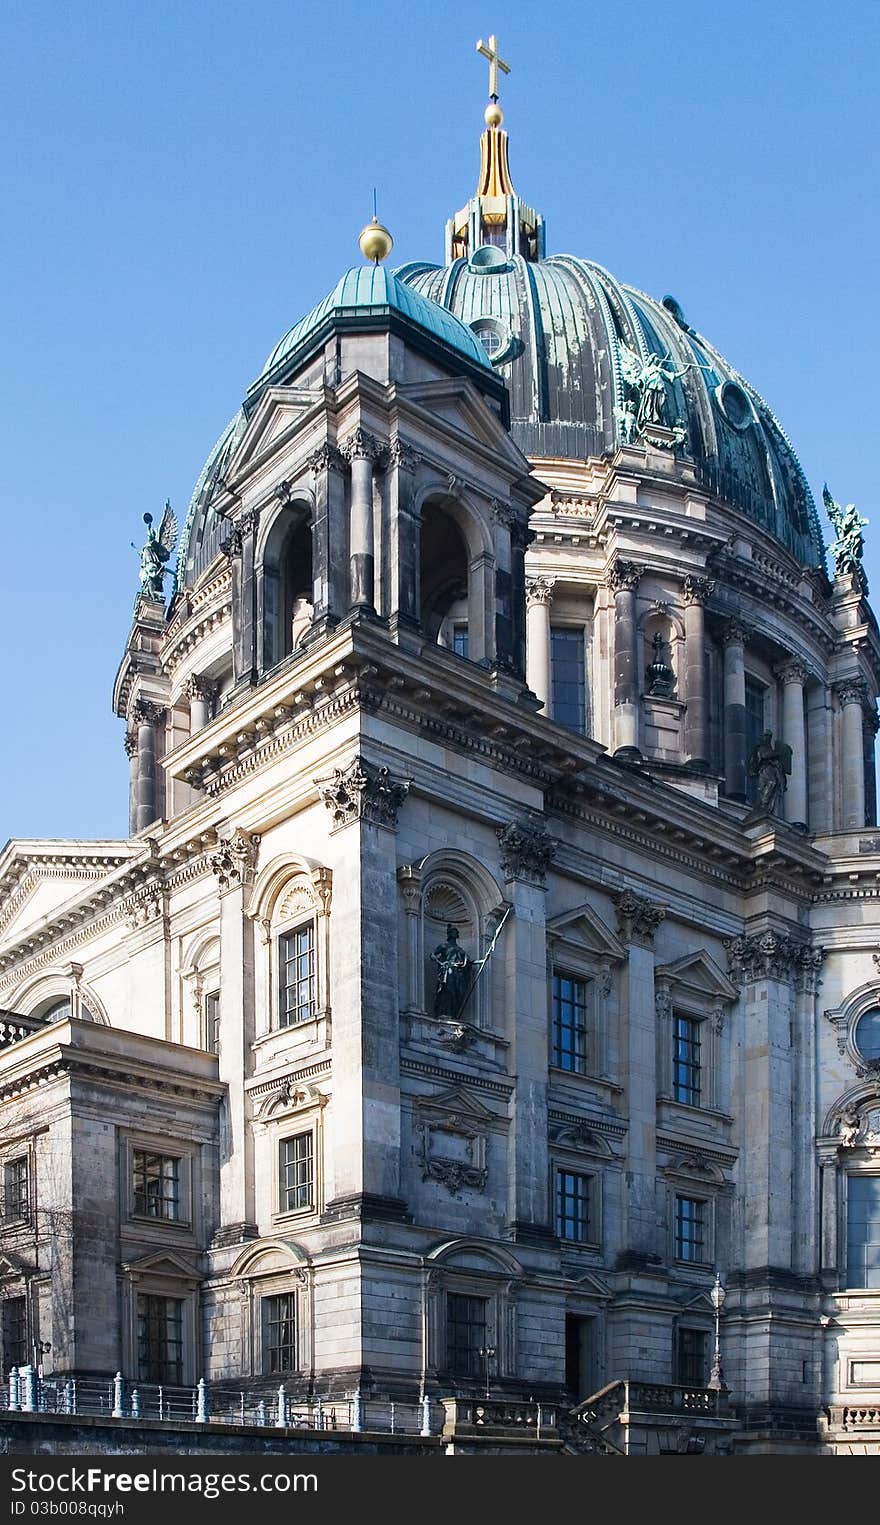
[482, 1015]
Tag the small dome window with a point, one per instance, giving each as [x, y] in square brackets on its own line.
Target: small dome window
[497, 340]
[734, 404]
[867, 1034]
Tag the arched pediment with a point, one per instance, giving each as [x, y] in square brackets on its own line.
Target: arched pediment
[271, 1257]
[472, 1255]
[314, 879]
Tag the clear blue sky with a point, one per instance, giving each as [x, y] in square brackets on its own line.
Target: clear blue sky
[181, 181]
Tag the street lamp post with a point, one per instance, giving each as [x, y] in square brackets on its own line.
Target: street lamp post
[717, 1383]
[488, 1354]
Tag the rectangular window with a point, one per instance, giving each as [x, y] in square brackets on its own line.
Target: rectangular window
[155, 1184]
[15, 1340]
[296, 952]
[863, 1231]
[568, 696]
[212, 1022]
[465, 1334]
[296, 1166]
[690, 1229]
[279, 1333]
[570, 1024]
[460, 643]
[16, 1191]
[755, 692]
[160, 1339]
[572, 1207]
[686, 1065]
[691, 1369]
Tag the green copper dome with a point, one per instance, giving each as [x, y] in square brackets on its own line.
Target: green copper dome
[365, 295]
[573, 344]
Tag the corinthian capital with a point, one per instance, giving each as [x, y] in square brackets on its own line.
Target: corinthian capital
[851, 691]
[637, 918]
[200, 687]
[325, 457]
[792, 672]
[624, 575]
[403, 456]
[526, 850]
[362, 446]
[144, 712]
[362, 792]
[539, 590]
[698, 590]
[734, 633]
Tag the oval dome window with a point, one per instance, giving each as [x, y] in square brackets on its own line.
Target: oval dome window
[734, 404]
[497, 340]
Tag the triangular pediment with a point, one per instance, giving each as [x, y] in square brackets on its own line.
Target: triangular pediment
[583, 928]
[590, 1282]
[459, 404]
[163, 1263]
[457, 1101]
[273, 424]
[12, 1267]
[37, 878]
[698, 973]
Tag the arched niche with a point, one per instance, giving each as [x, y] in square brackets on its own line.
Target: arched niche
[448, 889]
[456, 576]
[285, 581]
[668, 627]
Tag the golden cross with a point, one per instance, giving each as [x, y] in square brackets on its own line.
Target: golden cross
[496, 62]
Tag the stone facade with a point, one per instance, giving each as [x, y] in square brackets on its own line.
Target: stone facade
[255, 1140]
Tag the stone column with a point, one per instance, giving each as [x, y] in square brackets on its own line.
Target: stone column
[539, 598]
[234, 865]
[871, 724]
[404, 540]
[697, 591]
[735, 760]
[361, 451]
[526, 854]
[131, 752]
[363, 801]
[202, 698]
[146, 718]
[624, 580]
[637, 923]
[793, 678]
[330, 540]
[239, 548]
[851, 698]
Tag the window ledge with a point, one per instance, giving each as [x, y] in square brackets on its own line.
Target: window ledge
[140, 1219]
[581, 1078]
[687, 1109]
[314, 1030]
[295, 1215]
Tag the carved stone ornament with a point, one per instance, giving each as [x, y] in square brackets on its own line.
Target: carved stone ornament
[698, 590]
[403, 456]
[772, 956]
[637, 918]
[324, 458]
[858, 1127]
[539, 590]
[362, 446]
[130, 742]
[735, 633]
[453, 1152]
[526, 851]
[231, 546]
[502, 513]
[145, 906]
[144, 712]
[792, 672]
[362, 792]
[851, 691]
[624, 576]
[235, 861]
[200, 687]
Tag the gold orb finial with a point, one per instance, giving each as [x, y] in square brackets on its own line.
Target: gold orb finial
[493, 116]
[375, 241]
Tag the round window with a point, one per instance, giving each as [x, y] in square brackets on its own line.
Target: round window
[867, 1034]
[497, 340]
[734, 404]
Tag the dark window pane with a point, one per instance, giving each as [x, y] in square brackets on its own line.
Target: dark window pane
[692, 1345]
[156, 1184]
[279, 1333]
[690, 1224]
[572, 1207]
[460, 644]
[296, 959]
[863, 1231]
[754, 728]
[570, 1024]
[15, 1340]
[465, 1334]
[212, 1022]
[16, 1191]
[568, 696]
[160, 1339]
[867, 1035]
[686, 1061]
[297, 1174]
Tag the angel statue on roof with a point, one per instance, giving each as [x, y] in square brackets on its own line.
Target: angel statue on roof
[155, 553]
[645, 379]
[847, 523]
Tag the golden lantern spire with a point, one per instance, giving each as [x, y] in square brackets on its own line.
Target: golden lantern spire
[494, 169]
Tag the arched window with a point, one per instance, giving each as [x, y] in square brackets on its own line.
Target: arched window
[286, 584]
[443, 581]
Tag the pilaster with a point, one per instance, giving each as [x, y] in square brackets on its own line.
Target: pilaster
[637, 923]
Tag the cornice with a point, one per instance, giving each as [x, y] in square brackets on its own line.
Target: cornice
[473, 1081]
